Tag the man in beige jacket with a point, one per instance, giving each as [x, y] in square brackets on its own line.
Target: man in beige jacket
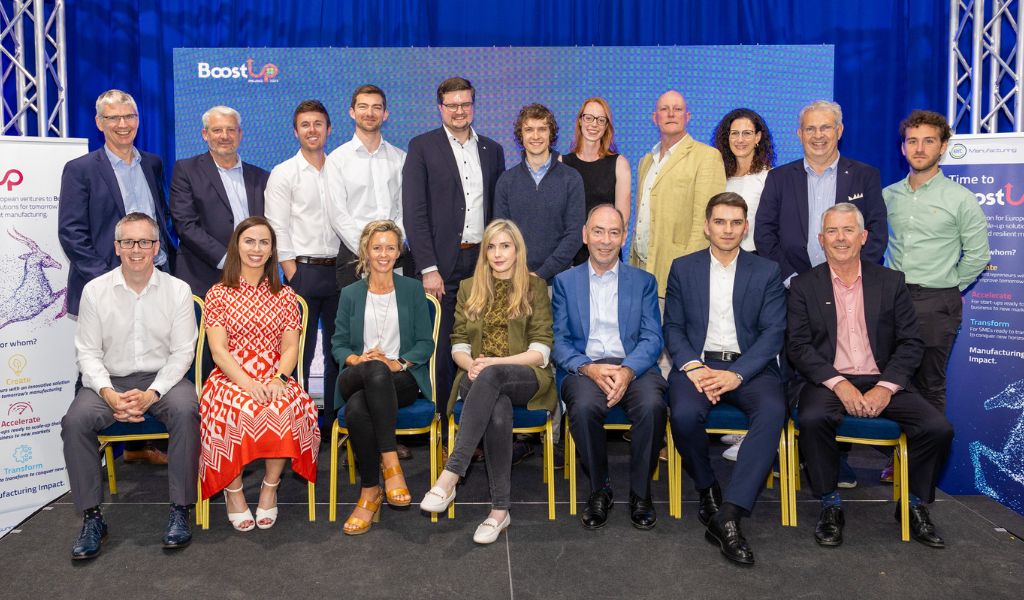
[676, 180]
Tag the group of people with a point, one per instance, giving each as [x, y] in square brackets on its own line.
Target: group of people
[756, 286]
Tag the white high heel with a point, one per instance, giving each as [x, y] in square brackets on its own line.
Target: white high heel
[269, 514]
[237, 519]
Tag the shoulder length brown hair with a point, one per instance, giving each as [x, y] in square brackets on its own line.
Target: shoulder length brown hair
[482, 292]
[233, 261]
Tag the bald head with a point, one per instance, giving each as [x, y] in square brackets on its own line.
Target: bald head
[671, 117]
[603, 212]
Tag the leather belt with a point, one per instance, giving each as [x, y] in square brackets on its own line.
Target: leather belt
[465, 246]
[722, 356]
[312, 260]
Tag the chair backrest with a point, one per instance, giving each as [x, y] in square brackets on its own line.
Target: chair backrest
[434, 308]
[197, 363]
[303, 322]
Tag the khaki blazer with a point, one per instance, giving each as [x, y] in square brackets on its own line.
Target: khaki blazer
[694, 173]
[521, 333]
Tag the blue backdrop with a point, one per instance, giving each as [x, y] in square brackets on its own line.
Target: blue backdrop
[889, 56]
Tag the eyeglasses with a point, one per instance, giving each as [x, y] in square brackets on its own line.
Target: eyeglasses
[129, 244]
[115, 118]
[745, 134]
[824, 129]
[588, 119]
[465, 106]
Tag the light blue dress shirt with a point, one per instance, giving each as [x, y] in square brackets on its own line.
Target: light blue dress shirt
[821, 194]
[135, 191]
[542, 171]
[604, 340]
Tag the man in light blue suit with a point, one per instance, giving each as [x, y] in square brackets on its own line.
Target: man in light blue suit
[607, 342]
[725, 319]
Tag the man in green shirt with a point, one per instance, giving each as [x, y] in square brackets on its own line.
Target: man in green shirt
[939, 239]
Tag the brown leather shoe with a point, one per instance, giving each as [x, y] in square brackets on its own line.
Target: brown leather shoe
[149, 454]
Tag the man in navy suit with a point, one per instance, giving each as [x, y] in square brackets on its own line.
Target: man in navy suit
[853, 335]
[210, 194]
[725, 319]
[607, 343]
[98, 189]
[447, 196]
[797, 194]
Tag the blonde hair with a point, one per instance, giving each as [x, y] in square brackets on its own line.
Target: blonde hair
[374, 227]
[482, 292]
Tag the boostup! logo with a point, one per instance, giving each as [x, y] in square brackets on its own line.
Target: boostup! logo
[267, 74]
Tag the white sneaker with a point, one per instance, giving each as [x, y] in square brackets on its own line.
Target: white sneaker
[488, 531]
[732, 439]
[733, 451]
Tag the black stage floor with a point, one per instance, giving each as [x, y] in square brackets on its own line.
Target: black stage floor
[408, 557]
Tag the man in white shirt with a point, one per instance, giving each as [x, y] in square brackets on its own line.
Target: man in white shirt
[297, 206]
[725, 319]
[365, 175]
[135, 342]
[607, 342]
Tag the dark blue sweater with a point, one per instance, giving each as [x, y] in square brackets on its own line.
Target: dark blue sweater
[550, 215]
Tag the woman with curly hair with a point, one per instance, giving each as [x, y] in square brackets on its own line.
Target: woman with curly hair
[748, 153]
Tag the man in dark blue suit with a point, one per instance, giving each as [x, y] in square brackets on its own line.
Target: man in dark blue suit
[798, 193]
[98, 189]
[725, 319]
[210, 194]
[607, 344]
[447, 196]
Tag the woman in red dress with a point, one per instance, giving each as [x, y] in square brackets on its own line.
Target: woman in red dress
[250, 407]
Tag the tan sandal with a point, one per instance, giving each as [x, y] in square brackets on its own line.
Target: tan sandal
[394, 494]
[361, 526]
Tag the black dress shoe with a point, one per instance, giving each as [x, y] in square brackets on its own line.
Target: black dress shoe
[730, 541]
[94, 531]
[179, 531]
[829, 531]
[710, 501]
[595, 515]
[921, 528]
[641, 512]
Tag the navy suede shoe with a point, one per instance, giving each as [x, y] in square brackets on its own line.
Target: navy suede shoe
[179, 530]
[94, 531]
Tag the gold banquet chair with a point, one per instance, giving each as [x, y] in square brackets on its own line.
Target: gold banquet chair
[726, 419]
[311, 488]
[418, 418]
[616, 420]
[151, 429]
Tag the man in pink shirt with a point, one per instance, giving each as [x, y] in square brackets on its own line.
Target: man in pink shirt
[853, 337]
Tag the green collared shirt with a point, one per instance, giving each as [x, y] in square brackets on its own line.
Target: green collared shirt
[938, 234]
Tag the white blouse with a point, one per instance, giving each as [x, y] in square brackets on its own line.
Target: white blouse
[750, 187]
[380, 324]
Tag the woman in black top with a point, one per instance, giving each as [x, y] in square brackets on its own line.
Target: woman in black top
[606, 175]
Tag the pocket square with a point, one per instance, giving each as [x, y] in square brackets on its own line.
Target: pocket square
[855, 197]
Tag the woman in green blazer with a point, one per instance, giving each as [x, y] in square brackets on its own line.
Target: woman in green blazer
[501, 343]
[383, 342]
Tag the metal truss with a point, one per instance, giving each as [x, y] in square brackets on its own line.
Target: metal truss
[33, 68]
[986, 66]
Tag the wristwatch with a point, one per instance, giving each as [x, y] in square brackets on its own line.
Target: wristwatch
[738, 376]
[405, 364]
[283, 378]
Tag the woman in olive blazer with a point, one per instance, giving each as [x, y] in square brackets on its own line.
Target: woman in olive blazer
[383, 342]
[501, 342]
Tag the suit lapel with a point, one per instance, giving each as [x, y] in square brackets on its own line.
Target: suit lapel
[107, 172]
[802, 201]
[739, 291]
[872, 300]
[842, 181]
[827, 305]
[405, 325]
[486, 168]
[581, 281]
[206, 162]
[444, 150]
[685, 145]
[249, 179]
[358, 313]
[627, 313]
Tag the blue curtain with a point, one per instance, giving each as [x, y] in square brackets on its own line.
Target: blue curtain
[890, 54]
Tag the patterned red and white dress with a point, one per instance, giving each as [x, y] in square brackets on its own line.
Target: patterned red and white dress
[235, 429]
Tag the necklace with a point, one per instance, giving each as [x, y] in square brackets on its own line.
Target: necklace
[380, 320]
